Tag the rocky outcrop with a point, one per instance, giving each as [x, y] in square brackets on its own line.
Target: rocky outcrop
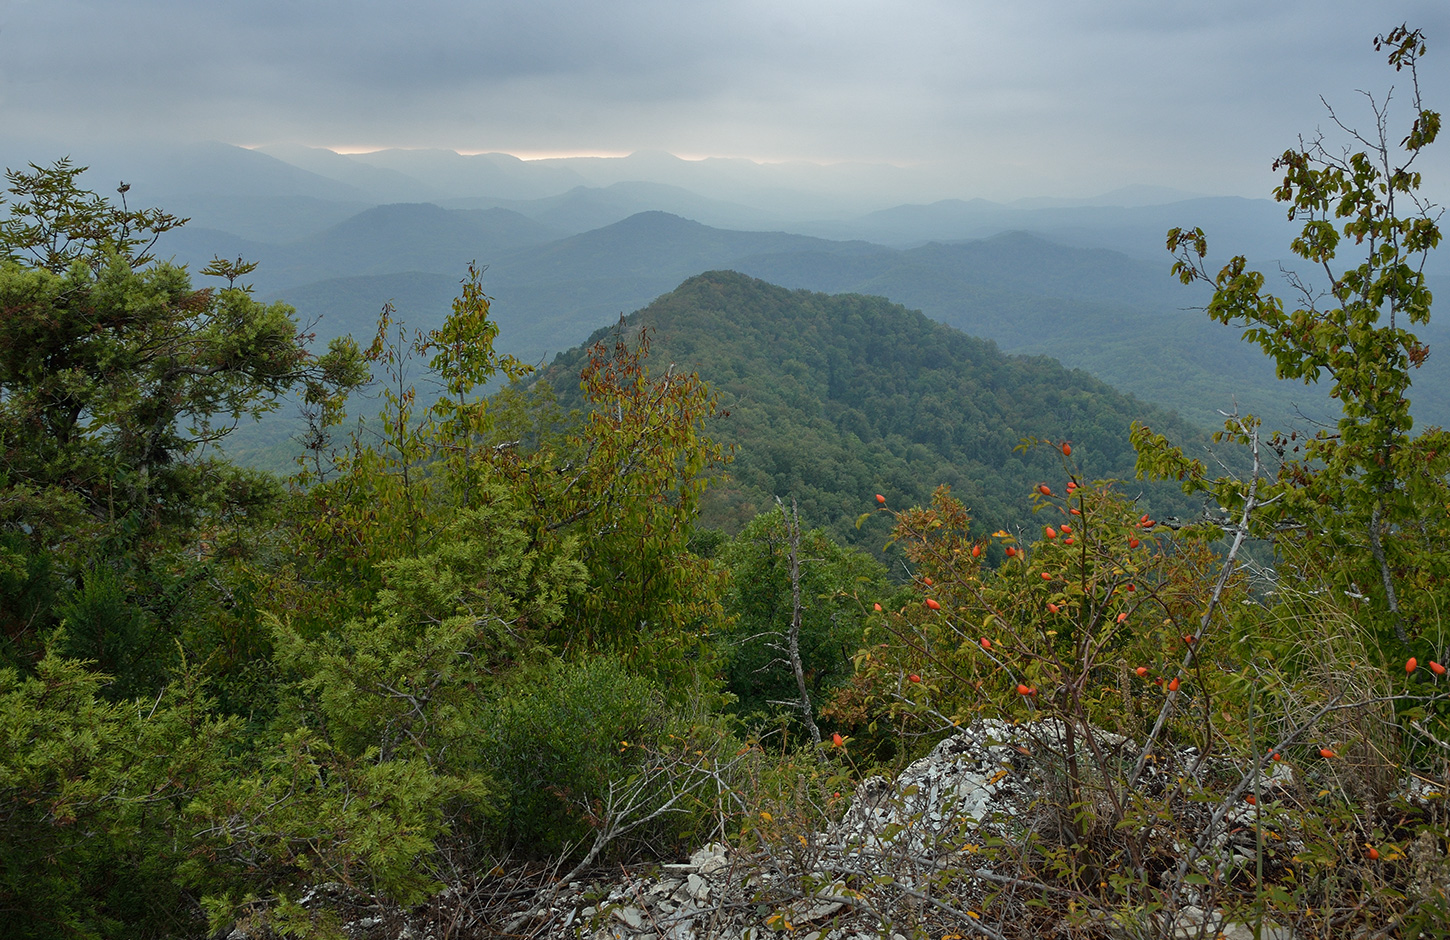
[909, 855]
[977, 825]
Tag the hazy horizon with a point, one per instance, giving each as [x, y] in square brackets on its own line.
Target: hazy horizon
[963, 100]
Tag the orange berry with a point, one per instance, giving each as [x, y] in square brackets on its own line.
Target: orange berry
[881, 499]
[1144, 519]
[1188, 638]
[1071, 485]
[1123, 616]
[1130, 588]
[1410, 665]
[837, 740]
[1023, 690]
[1066, 527]
[927, 581]
[878, 608]
[1173, 686]
[1276, 756]
[914, 677]
[1372, 853]
[1250, 800]
[1141, 671]
[1051, 532]
[1067, 541]
[1054, 608]
[1325, 753]
[986, 643]
[976, 551]
[1066, 449]
[1436, 668]
[1046, 576]
[932, 605]
[1044, 489]
[1011, 551]
[1132, 543]
[1075, 512]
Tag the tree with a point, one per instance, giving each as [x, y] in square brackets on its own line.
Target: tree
[55, 223]
[795, 615]
[1365, 498]
[626, 488]
[116, 376]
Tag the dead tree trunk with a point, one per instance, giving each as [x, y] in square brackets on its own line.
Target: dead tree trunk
[793, 639]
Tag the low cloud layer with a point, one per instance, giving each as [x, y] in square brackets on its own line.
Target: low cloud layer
[997, 100]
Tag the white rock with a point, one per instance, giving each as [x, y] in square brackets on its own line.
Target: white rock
[710, 859]
[631, 916]
[698, 888]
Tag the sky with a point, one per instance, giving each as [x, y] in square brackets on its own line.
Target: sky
[991, 99]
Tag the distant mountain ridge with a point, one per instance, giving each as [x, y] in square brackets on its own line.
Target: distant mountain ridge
[1080, 280]
[1125, 320]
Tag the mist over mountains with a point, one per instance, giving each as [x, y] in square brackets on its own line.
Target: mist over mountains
[572, 243]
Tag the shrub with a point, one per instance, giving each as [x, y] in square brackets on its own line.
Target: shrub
[555, 741]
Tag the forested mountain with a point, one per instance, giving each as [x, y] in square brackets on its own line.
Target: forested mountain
[834, 398]
[1125, 320]
[1122, 319]
[567, 248]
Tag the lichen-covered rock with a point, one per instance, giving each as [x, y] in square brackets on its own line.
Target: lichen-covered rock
[917, 853]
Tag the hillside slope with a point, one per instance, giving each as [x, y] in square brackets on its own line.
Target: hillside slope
[833, 398]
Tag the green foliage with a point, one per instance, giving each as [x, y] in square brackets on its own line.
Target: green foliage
[1366, 499]
[558, 738]
[406, 471]
[54, 223]
[1059, 629]
[116, 817]
[759, 606]
[619, 492]
[627, 486]
[411, 679]
[830, 399]
[300, 814]
[464, 360]
[101, 623]
[27, 591]
[115, 377]
[93, 796]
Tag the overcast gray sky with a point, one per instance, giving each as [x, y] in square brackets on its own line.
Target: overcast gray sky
[1004, 99]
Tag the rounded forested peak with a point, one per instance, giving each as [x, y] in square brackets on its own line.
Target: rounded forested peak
[655, 220]
[833, 395]
[721, 279]
[405, 210]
